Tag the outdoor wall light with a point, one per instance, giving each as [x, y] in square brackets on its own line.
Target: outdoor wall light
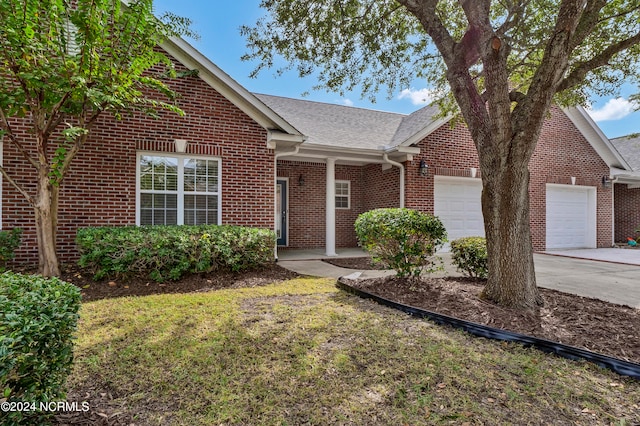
[424, 169]
[301, 181]
[606, 181]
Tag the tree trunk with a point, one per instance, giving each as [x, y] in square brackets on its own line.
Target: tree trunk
[505, 206]
[45, 205]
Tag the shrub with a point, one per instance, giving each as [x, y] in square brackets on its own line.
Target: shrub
[401, 239]
[469, 254]
[9, 242]
[169, 252]
[38, 317]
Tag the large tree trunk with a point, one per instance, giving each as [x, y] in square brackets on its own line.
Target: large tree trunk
[505, 206]
[46, 210]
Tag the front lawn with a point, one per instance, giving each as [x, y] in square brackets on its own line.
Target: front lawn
[301, 352]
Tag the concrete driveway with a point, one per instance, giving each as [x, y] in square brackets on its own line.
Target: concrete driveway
[613, 282]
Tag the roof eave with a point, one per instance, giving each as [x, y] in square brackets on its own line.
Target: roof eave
[426, 131]
[600, 143]
[227, 86]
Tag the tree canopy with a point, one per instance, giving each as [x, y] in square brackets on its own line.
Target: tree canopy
[383, 44]
[63, 64]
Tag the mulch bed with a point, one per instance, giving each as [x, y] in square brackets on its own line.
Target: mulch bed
[592, 324]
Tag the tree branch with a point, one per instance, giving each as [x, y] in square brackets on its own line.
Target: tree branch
[16, 185]
[588, 21]
[14, 139]
[579, 73]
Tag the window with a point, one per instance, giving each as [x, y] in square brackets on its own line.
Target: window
[343, 194]
[178, 190]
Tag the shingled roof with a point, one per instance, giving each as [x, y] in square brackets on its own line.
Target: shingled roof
[349, 127]
[629, 148]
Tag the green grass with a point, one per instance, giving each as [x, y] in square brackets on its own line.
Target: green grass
[301, 352]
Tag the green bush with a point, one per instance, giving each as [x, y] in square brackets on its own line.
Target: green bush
[169, 252]
[9, 242]
[469, 254]
[401, 239]
[38, 317]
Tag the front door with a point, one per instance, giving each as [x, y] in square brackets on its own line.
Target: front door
[281, 212]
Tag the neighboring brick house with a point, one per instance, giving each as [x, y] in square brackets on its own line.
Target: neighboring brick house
[308, 169]
[570, 205]
[626, 186]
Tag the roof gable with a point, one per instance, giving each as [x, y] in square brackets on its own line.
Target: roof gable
[188, 56]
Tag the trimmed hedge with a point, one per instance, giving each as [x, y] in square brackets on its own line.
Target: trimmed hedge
[469, 254]
[401, 239]
[38, 318]
[9, 242]
[169, 252]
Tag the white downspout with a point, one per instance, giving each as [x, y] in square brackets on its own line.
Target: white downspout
[275, 192]
[401, 167]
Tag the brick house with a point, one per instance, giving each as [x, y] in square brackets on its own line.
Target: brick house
[308, 169]
[626, 184]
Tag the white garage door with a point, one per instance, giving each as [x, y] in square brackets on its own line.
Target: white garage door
[457, 202]
[571, 213]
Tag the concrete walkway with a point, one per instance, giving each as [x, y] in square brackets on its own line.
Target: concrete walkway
[604, 280]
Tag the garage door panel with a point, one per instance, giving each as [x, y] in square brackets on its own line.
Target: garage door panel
[570, 217]
[457, 202]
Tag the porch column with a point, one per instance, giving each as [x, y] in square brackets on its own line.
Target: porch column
[330, 235]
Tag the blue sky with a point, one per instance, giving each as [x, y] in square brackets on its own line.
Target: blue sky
[217, 22]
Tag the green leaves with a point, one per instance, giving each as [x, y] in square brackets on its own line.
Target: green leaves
[402, 239]
[99, 56]
[169, 252]
[38, 318]
[469, 254]
[371, 44]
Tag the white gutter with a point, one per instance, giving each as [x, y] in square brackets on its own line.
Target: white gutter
[385, 156]
[275, 192]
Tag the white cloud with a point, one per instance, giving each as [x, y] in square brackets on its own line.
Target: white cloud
[347, 102]
[418, 97]
[614, 109]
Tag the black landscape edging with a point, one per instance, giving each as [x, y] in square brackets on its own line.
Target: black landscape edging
[624, 368]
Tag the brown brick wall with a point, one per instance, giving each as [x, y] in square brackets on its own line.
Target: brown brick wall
[307, 203]
[627, 212]
[561, 152]
[100, 188]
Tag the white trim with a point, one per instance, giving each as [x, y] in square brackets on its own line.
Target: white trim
[227, 86]
[330, 222]
[180, 192]
[592, 212]
[426, 131]
[596, 138]
[348, 182]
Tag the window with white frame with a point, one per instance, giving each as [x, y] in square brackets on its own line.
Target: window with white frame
[178, 190]
[343, 194]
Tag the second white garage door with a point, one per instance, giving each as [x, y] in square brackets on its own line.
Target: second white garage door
[571, 217]
[457, 202]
